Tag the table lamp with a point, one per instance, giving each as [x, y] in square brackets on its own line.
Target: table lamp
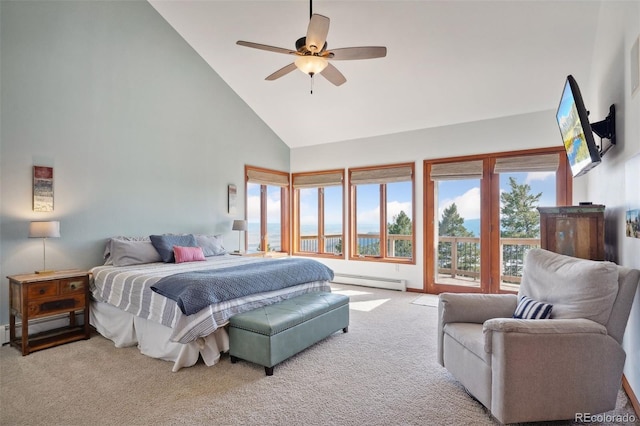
[44, 230]
[240, 226]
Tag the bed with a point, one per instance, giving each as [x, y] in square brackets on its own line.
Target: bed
[126, 310]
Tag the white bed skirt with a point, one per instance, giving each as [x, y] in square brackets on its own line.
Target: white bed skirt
[152, 338]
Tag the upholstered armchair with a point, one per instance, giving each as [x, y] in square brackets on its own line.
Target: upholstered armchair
[525, 370]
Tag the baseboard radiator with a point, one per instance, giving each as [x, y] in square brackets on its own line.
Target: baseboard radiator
[378, 282]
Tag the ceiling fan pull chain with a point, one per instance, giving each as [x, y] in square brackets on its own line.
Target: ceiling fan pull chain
[311, 84]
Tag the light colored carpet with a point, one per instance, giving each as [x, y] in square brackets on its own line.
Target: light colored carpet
[382, 372]
[426, 300]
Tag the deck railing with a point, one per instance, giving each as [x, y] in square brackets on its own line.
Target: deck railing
[459, 257]
[332, 243]
[368, 244]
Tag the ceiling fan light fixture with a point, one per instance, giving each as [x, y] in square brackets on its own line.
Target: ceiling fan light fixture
[311, 64]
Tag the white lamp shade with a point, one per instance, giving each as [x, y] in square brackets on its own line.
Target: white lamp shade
[310, 64]
[49, 229]
[239, 225]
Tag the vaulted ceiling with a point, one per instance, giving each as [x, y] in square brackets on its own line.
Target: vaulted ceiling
[448, 62]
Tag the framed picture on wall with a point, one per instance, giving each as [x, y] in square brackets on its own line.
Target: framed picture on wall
[232, 196]
[632, 212]
[42, 189]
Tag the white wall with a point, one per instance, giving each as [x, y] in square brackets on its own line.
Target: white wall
[527, 131]
[618, 28]
[143, 135]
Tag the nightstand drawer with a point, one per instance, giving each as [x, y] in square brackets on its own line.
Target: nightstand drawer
[73, 285]
[44, 289]
[48, 307]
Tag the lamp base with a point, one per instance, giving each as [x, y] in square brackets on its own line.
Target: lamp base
[45, 271]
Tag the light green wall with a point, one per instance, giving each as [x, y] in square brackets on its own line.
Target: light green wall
[143, 135]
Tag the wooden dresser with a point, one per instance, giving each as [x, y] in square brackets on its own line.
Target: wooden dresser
[576, 231]
[44, 295]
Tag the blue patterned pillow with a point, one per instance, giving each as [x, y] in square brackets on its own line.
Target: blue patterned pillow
[164, 244]
[530, 309]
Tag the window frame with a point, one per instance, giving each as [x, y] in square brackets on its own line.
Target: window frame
[321, 210]
[353, 229]
[489, 218]
[273, 178]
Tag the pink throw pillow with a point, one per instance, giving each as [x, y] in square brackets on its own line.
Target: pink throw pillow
[188, 254]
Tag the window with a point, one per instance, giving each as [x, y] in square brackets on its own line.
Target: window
[381, 204]
[318, 213]
[482, 216]
[456, 187]
[267, 209]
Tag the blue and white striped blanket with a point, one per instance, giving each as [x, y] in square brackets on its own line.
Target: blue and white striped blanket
[195, 290]
[129, 288]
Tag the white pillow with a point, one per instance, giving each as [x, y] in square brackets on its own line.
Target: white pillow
[577, 288]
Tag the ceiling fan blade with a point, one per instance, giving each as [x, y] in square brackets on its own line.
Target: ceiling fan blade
[317, 33]
[332, 74]
[266, 47]
[281, 72]
[364, 52]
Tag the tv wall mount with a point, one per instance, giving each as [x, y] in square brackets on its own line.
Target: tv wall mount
[606, 129]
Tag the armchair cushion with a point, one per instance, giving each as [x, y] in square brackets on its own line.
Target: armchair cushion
[530, 309]
[577, 288]
[558, 327]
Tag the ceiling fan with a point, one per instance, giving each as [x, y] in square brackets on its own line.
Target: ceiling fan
[312, 55]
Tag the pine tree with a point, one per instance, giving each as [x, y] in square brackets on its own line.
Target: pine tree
[452, 224]
[401, 226]
[520, 219]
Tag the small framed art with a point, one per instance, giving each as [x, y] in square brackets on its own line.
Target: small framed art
[632, 212]
[42, 189]
[232, 198]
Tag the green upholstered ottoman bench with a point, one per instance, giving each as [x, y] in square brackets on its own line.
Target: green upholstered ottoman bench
[273, 333]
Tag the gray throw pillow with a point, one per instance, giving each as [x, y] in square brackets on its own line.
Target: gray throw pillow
[126, 253]
[108, 260]
[211, 244]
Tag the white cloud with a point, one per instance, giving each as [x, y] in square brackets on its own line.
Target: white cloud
[395, 207]
[371, 217]
[273, 208]
[468, 204]
[253, 207]
[539, 176]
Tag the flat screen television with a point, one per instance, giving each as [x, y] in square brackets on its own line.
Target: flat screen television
[577, 135]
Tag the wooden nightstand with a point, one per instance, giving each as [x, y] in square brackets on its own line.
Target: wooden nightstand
[248, 253]
[42, 295]
[260, 254]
